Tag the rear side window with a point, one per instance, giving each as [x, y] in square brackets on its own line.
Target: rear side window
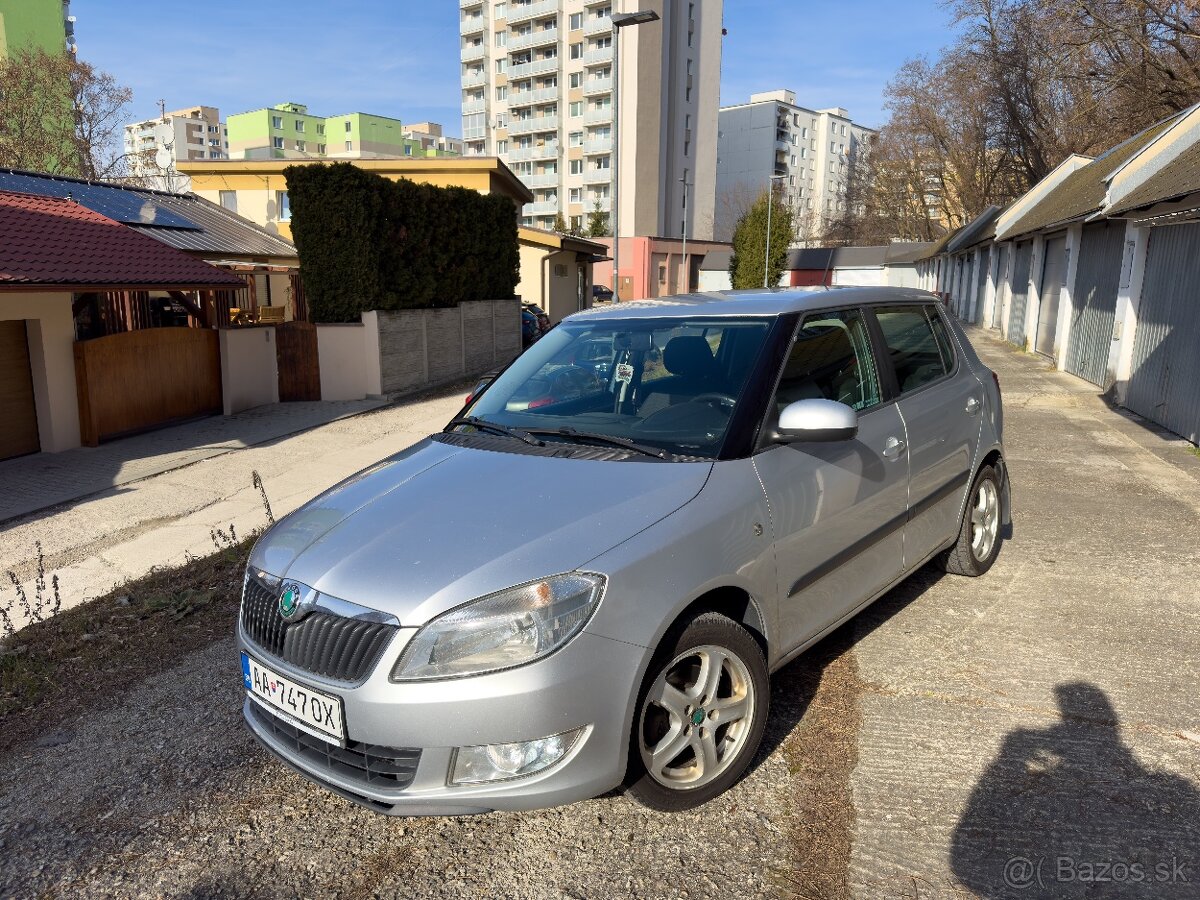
[917, 354]
[830, 360]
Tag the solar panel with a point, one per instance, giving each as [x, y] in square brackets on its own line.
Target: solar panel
[116, 203]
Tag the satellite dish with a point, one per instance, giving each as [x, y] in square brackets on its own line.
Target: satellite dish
[162, 158]
[164, 134]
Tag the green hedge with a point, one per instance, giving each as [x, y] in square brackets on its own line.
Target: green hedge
[367, 242]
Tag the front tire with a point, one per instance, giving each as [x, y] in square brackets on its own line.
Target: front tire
[700, 714]
[979, 539]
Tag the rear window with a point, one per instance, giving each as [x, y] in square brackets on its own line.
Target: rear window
[918, 355]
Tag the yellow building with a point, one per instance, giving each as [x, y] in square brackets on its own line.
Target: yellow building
[257, 190]
[556, 271]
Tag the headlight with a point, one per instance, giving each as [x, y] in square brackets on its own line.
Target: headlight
[511, 628]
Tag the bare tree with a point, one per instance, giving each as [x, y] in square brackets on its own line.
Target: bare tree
[60, 115]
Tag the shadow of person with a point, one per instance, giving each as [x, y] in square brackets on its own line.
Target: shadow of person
[1068, 811]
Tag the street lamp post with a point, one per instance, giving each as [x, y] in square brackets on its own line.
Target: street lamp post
[619, 21]
[767, 251]
[687, 275]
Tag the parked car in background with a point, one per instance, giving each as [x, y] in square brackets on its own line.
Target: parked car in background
[601, 294]
[543, 320]
[588, 577]
[530, 328]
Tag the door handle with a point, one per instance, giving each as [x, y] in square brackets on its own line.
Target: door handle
[973, 405]
[893, 448]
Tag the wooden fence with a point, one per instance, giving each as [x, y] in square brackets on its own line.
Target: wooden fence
[138, 380]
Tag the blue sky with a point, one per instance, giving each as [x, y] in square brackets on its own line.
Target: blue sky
[400, 57]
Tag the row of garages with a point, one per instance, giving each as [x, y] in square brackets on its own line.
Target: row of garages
[1097, 268]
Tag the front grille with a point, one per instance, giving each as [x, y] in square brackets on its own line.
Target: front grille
[368, 764]
[329, 646]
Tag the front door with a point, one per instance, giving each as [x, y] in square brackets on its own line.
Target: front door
[942, 405]
[837, 509]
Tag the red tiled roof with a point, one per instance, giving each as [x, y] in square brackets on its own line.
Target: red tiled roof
[48, 242]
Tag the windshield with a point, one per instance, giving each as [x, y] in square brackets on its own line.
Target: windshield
[667, 384]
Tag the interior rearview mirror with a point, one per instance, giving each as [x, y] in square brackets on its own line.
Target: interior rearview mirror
[633, 340]
[815, 420]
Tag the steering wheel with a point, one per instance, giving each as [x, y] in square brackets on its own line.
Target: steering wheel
[716, 400]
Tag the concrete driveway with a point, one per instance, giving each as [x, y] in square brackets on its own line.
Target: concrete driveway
[1033, 733]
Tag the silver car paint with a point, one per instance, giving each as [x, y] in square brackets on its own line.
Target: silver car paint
[664, 535]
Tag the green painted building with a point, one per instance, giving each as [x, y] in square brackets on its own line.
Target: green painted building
[289, 130]
[35, 25]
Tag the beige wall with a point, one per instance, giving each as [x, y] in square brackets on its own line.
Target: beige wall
[553, 283]
[51, 330]
[249, 368]
[342, 351]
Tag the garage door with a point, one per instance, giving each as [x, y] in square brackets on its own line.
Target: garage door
[19, 434]
[1020, 293]
[1166, 347]
[1094, 301]
[1052, 279]
[1003, 262]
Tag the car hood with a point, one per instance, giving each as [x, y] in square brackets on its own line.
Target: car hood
[435, 526]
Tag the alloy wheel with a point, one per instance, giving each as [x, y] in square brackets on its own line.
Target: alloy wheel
[985, 519]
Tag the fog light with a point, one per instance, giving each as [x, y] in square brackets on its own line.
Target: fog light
[499, 762]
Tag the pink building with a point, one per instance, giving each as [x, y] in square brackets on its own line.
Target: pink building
[654, 267]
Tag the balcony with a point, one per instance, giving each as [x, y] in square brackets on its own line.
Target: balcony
[472, 24]
[597, 25]
[542, 208]
[524, 12]
[473, 52]
[537, 67]
[475, 133]
[594, 86]
[533, 39]
[597, 145]
[528, 98]
[474, 106]
[599, 55]
[520, 154]
[597, 176]
[589, 203]
[474, 78]
[598, 116]
[533, 124]
[543, 180]
[468, 4]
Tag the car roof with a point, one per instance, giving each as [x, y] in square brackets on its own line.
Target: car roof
[753, 302]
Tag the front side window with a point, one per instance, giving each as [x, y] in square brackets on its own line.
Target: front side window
[830, 359]
[913, 345]
[670, 384]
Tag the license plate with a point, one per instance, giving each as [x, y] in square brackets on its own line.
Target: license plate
[317, 713]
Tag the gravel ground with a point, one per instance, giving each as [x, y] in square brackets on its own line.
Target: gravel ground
[166, 794]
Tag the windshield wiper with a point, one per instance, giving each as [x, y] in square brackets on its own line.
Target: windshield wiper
[623, 443]
[496, 428]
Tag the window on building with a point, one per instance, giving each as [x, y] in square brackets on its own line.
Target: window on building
[283, 207]
[349, 145]
[576, 21]
[577, 50]
[576, 79]
[576, 109]
[575, 195]
[300, 125]
[229, 200]
[501, 146]
[502, 92]
[276, 121]
[500, 39]
[501, 66]
[348, 125]
[843, 131]
[321, 149]
[300, 145]
[575, 139]
[320, 128]
[277, 143]
[575, 166]
[500, 11]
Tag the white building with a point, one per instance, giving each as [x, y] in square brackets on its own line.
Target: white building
[813, 153]
[196, 132]
[537, 83]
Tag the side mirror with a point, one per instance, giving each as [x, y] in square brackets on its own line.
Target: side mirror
[815, 420]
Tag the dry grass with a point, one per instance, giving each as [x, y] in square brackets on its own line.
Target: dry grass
[79, 660]
[822, 753]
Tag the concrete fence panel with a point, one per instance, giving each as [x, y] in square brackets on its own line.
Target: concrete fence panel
[249, 368]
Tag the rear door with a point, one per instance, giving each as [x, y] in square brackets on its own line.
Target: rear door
[837, 509]
[941, 403]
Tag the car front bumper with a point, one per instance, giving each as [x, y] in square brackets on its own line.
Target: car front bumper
[591, 684]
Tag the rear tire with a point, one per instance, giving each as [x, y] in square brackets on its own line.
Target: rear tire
[979, 539]
[700, 714]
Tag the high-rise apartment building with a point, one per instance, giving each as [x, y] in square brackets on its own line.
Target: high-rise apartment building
[812, 153]
[154, 147]
[36, 25]
[538, 91]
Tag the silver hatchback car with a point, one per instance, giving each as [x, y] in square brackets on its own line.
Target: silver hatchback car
[586, 579]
